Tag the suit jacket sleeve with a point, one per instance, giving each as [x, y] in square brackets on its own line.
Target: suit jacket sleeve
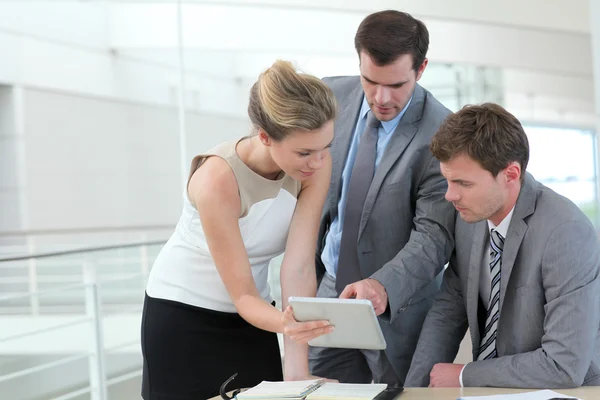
[429, 246]
[443, 330]
[570, 268]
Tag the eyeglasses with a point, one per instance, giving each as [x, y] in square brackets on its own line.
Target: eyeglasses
[223, 389]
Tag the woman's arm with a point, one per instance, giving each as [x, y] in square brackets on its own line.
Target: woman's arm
[214, 191]
[298, 277]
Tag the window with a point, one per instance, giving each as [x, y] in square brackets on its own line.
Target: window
[564, 160]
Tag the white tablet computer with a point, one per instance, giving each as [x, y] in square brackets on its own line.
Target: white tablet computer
[355, 322]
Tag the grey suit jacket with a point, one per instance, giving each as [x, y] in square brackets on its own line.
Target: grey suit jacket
[405, 234]
[548, 330]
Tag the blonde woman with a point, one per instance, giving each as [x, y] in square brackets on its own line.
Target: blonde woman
[208, 312]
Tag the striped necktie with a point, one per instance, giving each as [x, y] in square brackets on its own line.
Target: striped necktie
[487, 348]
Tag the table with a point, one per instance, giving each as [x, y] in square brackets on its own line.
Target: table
[585, 393]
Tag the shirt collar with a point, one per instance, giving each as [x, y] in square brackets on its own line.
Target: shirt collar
[388, 126]
[502, 228]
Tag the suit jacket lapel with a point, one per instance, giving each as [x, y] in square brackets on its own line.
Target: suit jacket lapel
[345, 125]
[401, 138]
[516, 232]
[480, 244]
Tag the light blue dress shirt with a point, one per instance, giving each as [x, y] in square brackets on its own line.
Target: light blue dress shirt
[331, 251]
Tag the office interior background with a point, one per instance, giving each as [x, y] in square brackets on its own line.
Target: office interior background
[104, 103]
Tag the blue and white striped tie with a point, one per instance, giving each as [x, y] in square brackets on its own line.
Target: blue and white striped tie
[487, 349]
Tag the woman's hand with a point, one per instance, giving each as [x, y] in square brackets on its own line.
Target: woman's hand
[302, 332]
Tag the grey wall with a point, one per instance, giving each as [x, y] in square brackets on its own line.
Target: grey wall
[96, 162]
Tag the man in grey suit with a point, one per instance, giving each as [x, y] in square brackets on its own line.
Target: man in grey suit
[524, 276]
[386, 229]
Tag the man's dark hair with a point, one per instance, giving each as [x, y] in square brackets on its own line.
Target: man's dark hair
[387, 35]
[487, 133]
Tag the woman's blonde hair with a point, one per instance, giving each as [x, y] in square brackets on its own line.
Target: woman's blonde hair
[283, 100]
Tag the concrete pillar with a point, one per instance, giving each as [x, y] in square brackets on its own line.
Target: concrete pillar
[12, 174]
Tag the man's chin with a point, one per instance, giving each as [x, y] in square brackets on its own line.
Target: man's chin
[384, 116]
[470, 219]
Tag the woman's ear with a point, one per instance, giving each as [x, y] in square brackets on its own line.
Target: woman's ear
[264, 137]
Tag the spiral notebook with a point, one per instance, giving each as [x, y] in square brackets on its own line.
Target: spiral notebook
[289, 390]
[316, 389]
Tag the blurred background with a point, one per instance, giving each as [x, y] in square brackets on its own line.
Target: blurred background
[104, 103]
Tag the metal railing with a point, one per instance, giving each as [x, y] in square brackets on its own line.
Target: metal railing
[27, 242]
[111, 229]
[91, 308]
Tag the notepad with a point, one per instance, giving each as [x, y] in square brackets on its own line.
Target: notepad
[289, 390]
[537, 395]
[316, 389]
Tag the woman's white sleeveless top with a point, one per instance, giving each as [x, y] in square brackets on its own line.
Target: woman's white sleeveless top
[184, 270]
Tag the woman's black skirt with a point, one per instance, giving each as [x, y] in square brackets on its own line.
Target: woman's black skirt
[190, 351]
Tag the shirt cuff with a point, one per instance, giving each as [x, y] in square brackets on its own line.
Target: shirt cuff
[460, 376]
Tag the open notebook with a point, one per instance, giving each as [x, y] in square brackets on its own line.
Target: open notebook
[311, 390]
